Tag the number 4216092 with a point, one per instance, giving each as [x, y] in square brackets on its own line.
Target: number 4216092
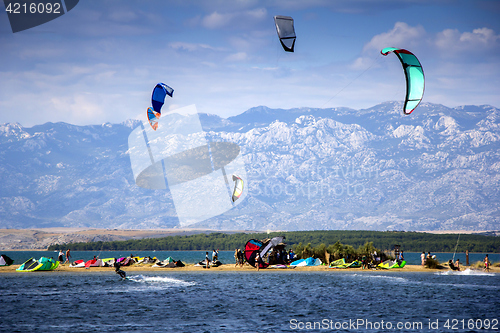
[33, 8]
[477, 324]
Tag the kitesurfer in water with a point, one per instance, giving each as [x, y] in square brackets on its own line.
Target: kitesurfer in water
[118, 271]
[457, 264]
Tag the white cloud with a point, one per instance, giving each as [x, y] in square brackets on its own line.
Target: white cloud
[192, 46]
[449, 42]
[123, 15]
[402, 36]
[239, 56]
[363, 63]
[258, 13]
[216, 20]
[477, 41]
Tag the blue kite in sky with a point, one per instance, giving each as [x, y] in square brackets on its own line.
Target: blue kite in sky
[160, 91]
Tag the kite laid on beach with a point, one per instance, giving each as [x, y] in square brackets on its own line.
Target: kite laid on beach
[414, 73]
[286, 32]
[160, 91]
[254, 246]
[42, 264]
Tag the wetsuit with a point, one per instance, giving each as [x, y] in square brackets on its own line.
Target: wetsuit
[118, 271]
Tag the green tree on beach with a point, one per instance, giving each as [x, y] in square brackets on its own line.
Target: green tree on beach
[333, 241]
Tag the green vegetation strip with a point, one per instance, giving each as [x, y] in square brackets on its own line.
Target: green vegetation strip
[409, 241]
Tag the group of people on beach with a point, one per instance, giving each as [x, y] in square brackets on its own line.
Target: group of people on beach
[275, 257]
[60, 257]
[455, 265]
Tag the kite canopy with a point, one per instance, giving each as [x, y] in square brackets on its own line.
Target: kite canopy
[158, 97]
[29, 265]
[153, 118]
[238, 187]
[306, 262]
[94, 263]
[42, 264]
[252, 247]
[390, 264]
[5, 260]
[414, 73]
[286, 32]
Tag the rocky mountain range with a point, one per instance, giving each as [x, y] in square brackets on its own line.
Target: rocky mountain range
[337, 168]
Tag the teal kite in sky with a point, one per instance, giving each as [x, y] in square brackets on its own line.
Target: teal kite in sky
[414, 73]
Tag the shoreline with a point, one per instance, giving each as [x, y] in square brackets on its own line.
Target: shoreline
[231, 268]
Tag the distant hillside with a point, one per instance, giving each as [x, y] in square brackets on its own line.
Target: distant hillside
[308, 169]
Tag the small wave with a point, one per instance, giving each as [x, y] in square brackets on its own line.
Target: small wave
[467, 271]
[160, 280]
[393, 278]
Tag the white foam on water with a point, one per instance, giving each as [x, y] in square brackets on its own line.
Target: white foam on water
[164, 281]
[385, 277]
[466, 272]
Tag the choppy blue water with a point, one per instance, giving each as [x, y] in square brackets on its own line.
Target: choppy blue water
[265, 301]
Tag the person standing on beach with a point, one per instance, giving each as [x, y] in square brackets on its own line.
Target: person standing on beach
[60, 256]
[422, 258]
[487, 263]
[241, 257]
[68, 255]
[207, 261]
[236, 257]
[400, 257]
[257, 261]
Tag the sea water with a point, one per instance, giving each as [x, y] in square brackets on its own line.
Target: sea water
[264, 301]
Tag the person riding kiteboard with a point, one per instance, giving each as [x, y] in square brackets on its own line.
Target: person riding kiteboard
[118, 271]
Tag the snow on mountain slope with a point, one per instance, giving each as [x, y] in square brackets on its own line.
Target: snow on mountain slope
[307, 168]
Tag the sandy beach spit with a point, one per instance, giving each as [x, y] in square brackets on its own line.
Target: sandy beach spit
[231, 268]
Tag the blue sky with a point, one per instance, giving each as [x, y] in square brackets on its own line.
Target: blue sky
[99, 62]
